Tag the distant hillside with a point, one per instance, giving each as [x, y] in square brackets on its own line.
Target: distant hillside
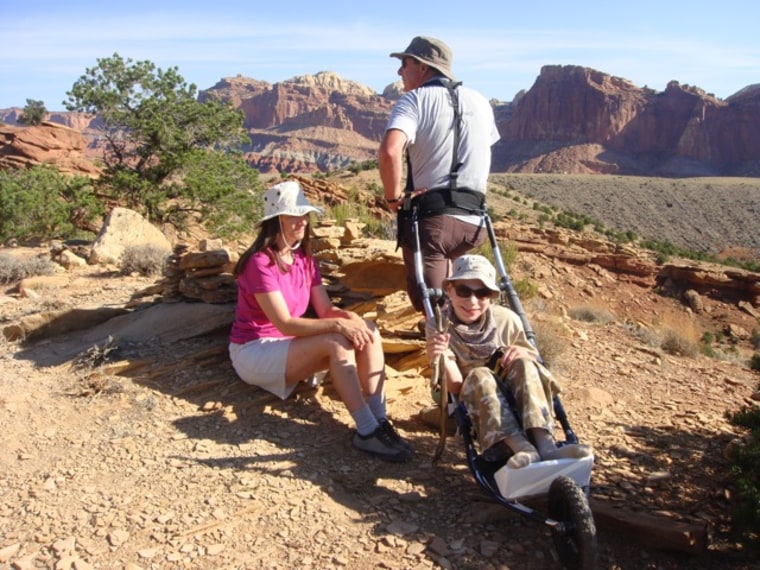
[572, 120]
[709, 215]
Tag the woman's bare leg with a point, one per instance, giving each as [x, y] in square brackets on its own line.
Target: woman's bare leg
[334, 352]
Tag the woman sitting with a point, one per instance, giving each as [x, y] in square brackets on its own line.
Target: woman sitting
[274, 345]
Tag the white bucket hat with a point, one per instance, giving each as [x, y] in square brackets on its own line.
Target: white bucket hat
[474, 267]
[286, 198]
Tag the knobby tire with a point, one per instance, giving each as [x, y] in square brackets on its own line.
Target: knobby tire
[576, 544]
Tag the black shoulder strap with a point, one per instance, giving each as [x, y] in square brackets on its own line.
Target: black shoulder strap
[451, 86]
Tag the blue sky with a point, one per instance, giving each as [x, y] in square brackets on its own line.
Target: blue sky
[499, 47]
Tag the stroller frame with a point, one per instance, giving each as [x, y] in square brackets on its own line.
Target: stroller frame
[570, 518]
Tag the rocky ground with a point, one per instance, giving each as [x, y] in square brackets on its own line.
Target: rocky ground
[162, 459]
[153, 455]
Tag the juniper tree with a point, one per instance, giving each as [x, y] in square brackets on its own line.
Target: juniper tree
[158, 135]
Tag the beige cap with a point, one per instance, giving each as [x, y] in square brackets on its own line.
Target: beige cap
[474, 267]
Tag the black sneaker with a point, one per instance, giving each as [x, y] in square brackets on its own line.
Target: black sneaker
[399, 441]
[381, 445]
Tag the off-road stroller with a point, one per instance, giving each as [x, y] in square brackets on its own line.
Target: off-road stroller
[566, 480]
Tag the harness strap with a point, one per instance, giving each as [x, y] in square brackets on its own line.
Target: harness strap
[450, 200]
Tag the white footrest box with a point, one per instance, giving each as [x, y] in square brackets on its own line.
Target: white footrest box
[535, 479]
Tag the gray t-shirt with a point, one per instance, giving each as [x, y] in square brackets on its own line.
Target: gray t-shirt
[425, 115]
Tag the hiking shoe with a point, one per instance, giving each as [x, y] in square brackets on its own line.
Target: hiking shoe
[381, 445]
[394, 436]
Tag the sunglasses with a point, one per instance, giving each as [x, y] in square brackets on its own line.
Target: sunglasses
[465, 292]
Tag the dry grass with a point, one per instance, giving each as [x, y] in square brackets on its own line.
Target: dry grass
[146, 260]
[551, 341]
[14, 268]
[674, 333]
[591, 314]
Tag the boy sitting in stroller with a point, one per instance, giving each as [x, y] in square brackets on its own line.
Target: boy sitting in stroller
[480, 334]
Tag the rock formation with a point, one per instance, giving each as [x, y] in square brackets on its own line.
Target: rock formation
[308, 123]
[573, 119]
[576, 119]
[49, 143]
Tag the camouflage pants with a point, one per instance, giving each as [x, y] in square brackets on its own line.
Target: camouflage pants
[489, 410]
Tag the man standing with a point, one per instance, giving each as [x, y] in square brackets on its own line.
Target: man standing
[444, 132]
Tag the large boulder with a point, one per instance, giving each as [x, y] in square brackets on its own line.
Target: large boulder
[124, 228]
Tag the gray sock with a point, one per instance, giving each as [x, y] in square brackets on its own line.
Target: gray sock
[365, 420]
[376, 403]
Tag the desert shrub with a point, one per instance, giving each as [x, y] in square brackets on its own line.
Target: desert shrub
[664, 250]
[745, 470]
[508, 252]
[589, 314]
[676, 333]
[90, 369]
[572, 221]
[13, 268]
[754, 362]
[525, 288]
[672, 340]
[626, 236]
[755, 339]
[146, 260]
[354, 208]
[356, 167]
[34, 113]
[644, 334]
[676, 343]
[730, 355]
[40, 203]
[748, 264]
[706, 344]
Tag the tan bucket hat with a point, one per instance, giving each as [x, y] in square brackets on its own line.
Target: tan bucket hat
[431, 51]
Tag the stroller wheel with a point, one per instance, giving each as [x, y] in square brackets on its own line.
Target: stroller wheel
[575, 541]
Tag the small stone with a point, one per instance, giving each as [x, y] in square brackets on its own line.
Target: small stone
[147, 553]
[9, 552]
[438, 546]
[657, 477]
[215, 549]
[79, 564]
[118, 537]
[488, 548]
[401, 528]
[65, 546]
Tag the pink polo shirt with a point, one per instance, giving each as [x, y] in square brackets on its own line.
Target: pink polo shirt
[261, 276]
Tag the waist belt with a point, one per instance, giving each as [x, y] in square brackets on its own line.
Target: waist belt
[447, 201]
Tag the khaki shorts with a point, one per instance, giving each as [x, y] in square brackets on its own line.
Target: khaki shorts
[262, 363]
